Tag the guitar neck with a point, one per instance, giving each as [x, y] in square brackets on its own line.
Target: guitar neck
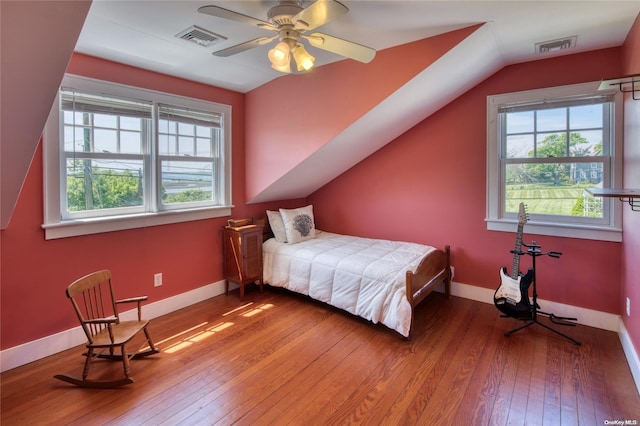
[515, 265]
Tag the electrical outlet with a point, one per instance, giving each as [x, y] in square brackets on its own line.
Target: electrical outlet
[157, 279]
[628, 307]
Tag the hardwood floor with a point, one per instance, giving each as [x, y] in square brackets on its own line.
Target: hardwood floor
[279, 358]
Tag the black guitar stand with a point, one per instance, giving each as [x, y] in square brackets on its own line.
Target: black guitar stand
[533, 250]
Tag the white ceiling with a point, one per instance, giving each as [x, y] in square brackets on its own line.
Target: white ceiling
[142, 33]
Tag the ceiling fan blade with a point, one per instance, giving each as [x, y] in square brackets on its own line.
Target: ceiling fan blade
[341, 47]
[318, 13]
[238, 48]
[220, 12]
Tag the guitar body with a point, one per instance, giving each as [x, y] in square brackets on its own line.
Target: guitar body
[515, 307]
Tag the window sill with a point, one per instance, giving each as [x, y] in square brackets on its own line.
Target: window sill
[583, 232]
[73, 228]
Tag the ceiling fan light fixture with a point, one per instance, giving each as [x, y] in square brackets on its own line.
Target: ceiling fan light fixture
[303, 59]
[280, 55]
[286, 68]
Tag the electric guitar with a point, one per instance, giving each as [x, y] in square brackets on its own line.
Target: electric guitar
[512, 296]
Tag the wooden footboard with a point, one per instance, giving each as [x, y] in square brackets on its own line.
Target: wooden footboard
[434, 269]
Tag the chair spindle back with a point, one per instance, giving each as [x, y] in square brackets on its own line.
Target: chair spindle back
[92, 298]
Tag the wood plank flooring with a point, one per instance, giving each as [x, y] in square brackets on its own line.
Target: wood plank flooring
[279, 358]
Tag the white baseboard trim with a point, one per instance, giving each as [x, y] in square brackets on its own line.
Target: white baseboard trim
[603, 320]
[49, 345]
[631, 354]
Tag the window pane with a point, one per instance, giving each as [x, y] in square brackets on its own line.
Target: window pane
[586, 143]
[167, 144]
[520, 122]
[551, 145]
[185, 146]
[131, 123]
[551, 119]
[163, 126]
[103, 184]
[185, 129]
[203, 147]
[105, 141]
[204, 132]
[520, 146]
[163, 144]
[554, 188]
[77, 138]
[184, 181]
[585, 117]
[130, 142]
[102, 120]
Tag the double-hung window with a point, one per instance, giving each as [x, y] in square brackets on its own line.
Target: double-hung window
[545, 148]
[119, 157]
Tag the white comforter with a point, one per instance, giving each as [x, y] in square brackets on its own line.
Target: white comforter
[366, 277]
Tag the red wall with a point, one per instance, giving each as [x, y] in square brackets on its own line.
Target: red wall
[631, 219]
[35, 272]
[429, 186]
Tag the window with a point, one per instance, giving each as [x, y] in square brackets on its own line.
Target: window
[545, 148]
[118, 157]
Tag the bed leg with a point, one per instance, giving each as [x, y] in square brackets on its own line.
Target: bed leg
[447, 283]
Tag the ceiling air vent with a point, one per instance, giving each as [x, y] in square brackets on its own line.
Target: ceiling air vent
[556, 45]
[200, 36]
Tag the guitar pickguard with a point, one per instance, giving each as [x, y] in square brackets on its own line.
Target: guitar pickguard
[509, 288]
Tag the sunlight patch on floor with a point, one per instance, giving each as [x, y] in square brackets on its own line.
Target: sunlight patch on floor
[258, 310]
[204, 330]
[197, 337]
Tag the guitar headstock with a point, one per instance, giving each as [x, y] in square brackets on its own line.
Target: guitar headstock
[523, 216]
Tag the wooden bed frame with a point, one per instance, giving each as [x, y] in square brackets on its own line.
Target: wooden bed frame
[434, 269]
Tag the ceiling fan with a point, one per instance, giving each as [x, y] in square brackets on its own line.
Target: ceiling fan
[291, 21]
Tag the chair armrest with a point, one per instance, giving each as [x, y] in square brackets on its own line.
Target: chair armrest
[138, 300]
[132, 299]
[110, 320]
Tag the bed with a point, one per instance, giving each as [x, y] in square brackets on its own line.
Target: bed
[379, 280]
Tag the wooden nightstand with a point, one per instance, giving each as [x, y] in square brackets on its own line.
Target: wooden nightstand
[242, 249]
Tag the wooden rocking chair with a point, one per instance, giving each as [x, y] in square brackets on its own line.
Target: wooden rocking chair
[97, 309]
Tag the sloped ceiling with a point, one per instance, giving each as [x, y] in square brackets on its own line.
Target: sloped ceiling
[409, 102]
[37, 40]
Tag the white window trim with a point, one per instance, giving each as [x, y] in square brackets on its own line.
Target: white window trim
[610, 232]
[55, 227]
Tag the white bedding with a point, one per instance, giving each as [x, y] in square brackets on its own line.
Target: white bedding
[363, 276]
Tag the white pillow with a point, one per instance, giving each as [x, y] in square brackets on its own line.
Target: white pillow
[298, 224]
[277, 226]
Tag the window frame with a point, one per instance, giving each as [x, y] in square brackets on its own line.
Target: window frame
[57, 226]
[607, 229]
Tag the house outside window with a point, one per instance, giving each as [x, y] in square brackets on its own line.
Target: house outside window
[119, 157]
[545, 148]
